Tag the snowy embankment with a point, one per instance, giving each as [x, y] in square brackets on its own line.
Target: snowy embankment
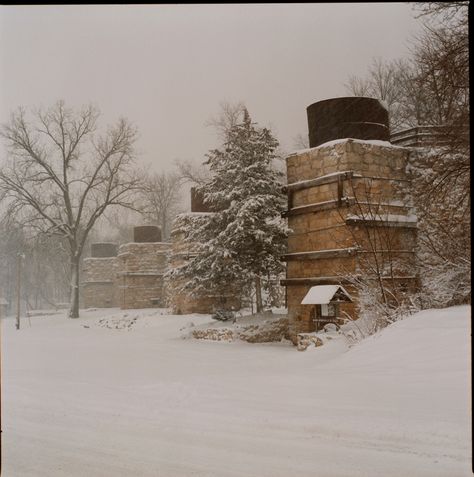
[121, 393]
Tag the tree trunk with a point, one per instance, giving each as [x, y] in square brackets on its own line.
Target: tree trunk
[74, 305]
[258, 294]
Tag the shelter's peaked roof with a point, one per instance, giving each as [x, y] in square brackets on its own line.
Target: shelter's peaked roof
[323, 294]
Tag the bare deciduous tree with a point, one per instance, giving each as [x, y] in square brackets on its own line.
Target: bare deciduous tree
[441, 175]
[161, 199]
[300, 141]
[431, 87]
[384, 81]
[385, 249]
[441, 75]
[449, 11]
[116, 225]
[434, 91]
[230, 115]
[60, 176]
[192, 173]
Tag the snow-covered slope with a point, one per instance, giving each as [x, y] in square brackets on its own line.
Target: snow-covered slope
[120, 393]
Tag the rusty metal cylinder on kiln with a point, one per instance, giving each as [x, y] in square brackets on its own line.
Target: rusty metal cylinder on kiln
[349, 117]
[146, 234]
[197, 201]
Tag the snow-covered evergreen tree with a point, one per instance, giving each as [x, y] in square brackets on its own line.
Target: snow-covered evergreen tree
[244, 237]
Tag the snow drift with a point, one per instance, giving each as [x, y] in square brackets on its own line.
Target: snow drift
[121, 394]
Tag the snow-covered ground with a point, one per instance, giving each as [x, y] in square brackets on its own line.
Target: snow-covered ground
[122, 394]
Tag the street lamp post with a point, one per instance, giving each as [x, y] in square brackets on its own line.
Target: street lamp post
[18, 288]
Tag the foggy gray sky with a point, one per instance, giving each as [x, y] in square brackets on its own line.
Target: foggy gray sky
[167, 67]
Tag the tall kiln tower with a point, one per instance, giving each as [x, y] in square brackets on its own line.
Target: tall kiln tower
[349, 212]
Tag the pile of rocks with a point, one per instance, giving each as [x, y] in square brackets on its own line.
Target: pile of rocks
[259, 331]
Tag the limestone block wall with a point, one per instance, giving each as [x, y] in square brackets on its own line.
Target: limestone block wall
[99, 288]
[181, 251]
[140, 276]
[347, 208]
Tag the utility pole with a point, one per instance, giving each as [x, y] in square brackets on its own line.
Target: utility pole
[18, 289]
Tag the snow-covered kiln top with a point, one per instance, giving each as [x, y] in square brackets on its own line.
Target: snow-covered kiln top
[349, 117]
[103, 250]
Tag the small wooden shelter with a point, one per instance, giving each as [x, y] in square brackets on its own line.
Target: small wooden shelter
[325, 300]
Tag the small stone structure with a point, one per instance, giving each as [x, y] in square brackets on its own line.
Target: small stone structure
[182, 250]
[141, 267]
[345, 194]
[100, 270]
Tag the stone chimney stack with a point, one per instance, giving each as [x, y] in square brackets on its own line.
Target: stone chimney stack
[348, 183]
[99, 288]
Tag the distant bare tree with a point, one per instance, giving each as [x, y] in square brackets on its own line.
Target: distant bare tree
[192, 173]
[44, 270]
[359, 86]
[384, 81]
[230, 115]
[117, 225]
[162, 199]
[300, 142]
[431, 87]
[435, 86]
[60, 177]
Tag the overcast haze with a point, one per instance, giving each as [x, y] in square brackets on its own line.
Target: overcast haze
[167, 67]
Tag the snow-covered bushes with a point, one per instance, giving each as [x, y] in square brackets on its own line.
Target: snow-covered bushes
[441, 193]
[380, 303]
[439, 188]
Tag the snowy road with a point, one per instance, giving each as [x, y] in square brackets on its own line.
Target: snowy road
[81, 399]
